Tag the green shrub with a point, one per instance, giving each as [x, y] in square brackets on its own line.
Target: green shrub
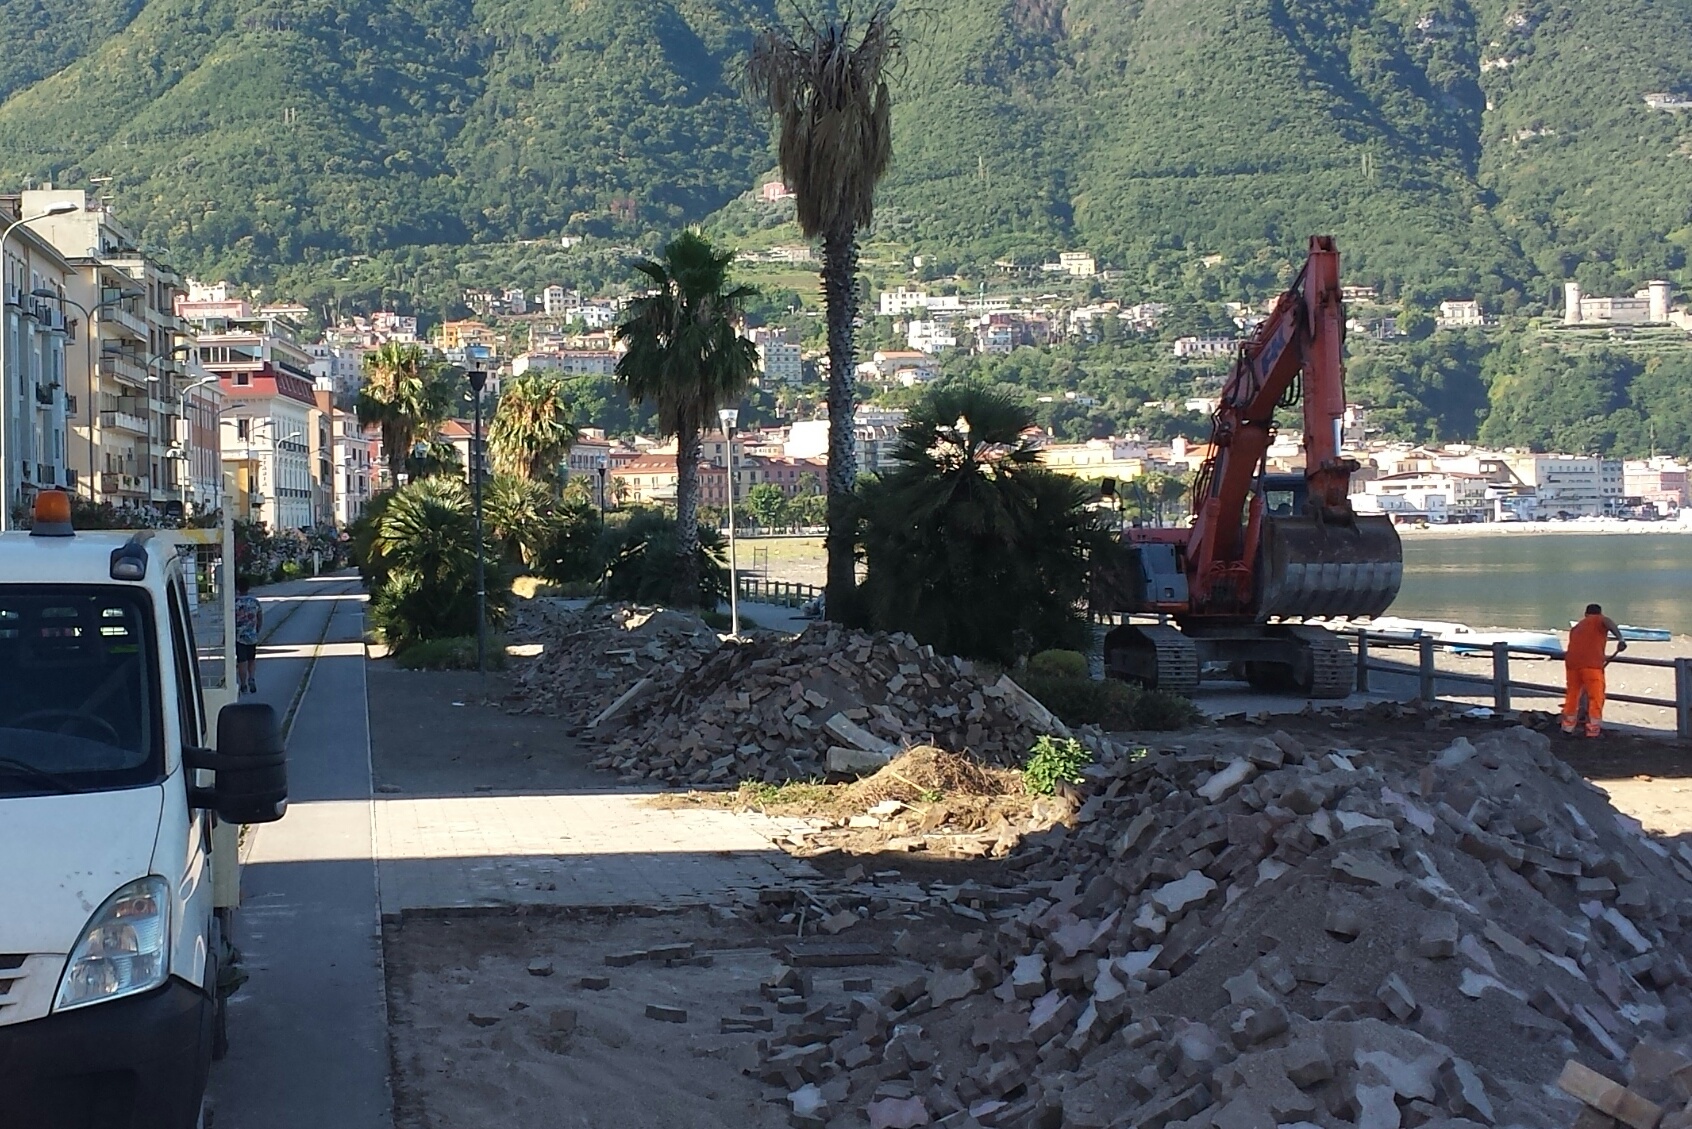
[425, 541]
[455, 653]
[1059, 664]
[1110, 704]
[1054, 759]
[640, 559]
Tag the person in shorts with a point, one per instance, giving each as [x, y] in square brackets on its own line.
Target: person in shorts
[249, 621]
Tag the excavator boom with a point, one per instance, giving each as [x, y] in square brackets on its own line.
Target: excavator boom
[1246, 560]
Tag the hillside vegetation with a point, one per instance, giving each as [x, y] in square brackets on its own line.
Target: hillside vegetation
[348, 149]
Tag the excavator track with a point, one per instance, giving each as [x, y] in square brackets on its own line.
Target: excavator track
[1327, 662]
[1156, 656]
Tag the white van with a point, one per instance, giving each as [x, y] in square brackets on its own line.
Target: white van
[110, 944]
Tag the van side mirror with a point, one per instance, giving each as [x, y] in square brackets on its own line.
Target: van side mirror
[251, 764]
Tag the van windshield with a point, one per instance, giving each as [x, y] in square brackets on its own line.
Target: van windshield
[78, 689]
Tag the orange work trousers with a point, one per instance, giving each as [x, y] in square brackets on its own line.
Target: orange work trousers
[1590, 681]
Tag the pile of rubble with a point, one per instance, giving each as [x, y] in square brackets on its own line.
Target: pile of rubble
[828, 701]
[1242, 932]
[591, 657]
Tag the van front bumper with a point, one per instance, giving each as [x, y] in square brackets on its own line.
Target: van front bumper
[137, 1063]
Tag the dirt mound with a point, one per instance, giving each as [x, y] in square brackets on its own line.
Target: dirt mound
[591, 656]
[924, 772]
[1240, 931]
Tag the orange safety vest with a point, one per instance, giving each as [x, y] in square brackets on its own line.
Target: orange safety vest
[1586, 644]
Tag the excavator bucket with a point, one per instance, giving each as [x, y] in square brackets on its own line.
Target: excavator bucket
[1314, 568]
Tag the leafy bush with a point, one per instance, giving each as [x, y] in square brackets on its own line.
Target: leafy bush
[1059, 664]
[424, 548]
[570, 554]
[454, 653]
[971, 545]
[640, 561]
[1054, 760]
[1109, 703]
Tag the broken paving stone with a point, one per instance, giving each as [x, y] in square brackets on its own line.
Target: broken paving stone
[1612, 1098]
[1028, 977]
[839, 921]
[623, 960]
[1398, 997]
[1437, 939]
[1361, 870]
[1173, 898]
[1225, 780]
[540, 967]
[1307, 1064]
[1377, 1107]
[594, 983]
[897, 1113]
[666, 1014]
[858, 984]
[1258, 1025]
[1465, 1095]
[1411, 1080]
[1344, 922]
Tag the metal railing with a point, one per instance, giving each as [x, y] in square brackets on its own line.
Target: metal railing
[1428, 675]
[785, 592]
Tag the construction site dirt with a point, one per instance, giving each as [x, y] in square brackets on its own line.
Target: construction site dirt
[1390, 917]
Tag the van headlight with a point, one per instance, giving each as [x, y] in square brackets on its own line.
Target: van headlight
[125, 948]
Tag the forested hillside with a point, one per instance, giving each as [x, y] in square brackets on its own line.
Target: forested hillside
[1491, 147]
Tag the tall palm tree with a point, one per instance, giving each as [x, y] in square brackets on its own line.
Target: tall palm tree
[686, 359]
[825, 84]
[533, 428]
[408, 394]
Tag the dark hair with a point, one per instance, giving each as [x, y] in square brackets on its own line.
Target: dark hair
[1594, 609]
[242, 583]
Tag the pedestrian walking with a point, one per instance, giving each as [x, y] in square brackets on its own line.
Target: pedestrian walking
[249, 621]
[1583, 665]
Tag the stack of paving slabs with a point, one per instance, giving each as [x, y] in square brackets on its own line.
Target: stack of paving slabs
[828, 701]
[591, 659]
[1251, 931]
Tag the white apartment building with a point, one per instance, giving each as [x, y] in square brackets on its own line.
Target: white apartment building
[1206, 346]
[779, 363]
[127, 377]
[1572, 485]
[874, 432]
[1075, 264]
[566, 362]
[930, 336]
[35, 405]
[900, 301]
[1460, 314]
[1451, 495]
[353, 455]
[558, 302]
[341, 365]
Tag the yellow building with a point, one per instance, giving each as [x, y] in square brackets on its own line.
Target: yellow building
[461, 334]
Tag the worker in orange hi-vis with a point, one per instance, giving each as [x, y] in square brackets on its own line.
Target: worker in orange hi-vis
[1583, 663]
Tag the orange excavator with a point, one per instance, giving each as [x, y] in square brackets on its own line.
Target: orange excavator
[1265, 553]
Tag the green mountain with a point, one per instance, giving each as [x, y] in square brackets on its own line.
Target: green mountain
[350, 149]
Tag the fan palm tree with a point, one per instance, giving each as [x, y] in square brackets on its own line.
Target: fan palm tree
[686, 359]
[971, 544]
[533, 428]
[825, 84]
[408, 394]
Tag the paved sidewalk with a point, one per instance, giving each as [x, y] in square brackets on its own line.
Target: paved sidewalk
[585, 849]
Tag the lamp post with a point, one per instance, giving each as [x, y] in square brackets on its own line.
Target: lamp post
[154, 378]
[58, 209]
[729, 417]
[187, 434]
[601, 467]
[478, 381]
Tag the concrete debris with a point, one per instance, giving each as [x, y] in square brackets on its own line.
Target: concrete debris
[1305, 936]
[670, 701]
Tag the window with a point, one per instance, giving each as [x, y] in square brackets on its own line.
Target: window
[78, 687]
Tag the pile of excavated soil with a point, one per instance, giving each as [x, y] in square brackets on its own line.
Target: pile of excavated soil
[925, 772]
[1244, 930]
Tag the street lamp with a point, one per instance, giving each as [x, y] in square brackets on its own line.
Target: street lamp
[602, 466]
[58, 209]
[729, 418]
[187, 435]
[154, 378]
[478, 381]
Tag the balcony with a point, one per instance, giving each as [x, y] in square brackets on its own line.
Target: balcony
[123, 368]
[127, 484]
[134, 323]
[123, 421]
